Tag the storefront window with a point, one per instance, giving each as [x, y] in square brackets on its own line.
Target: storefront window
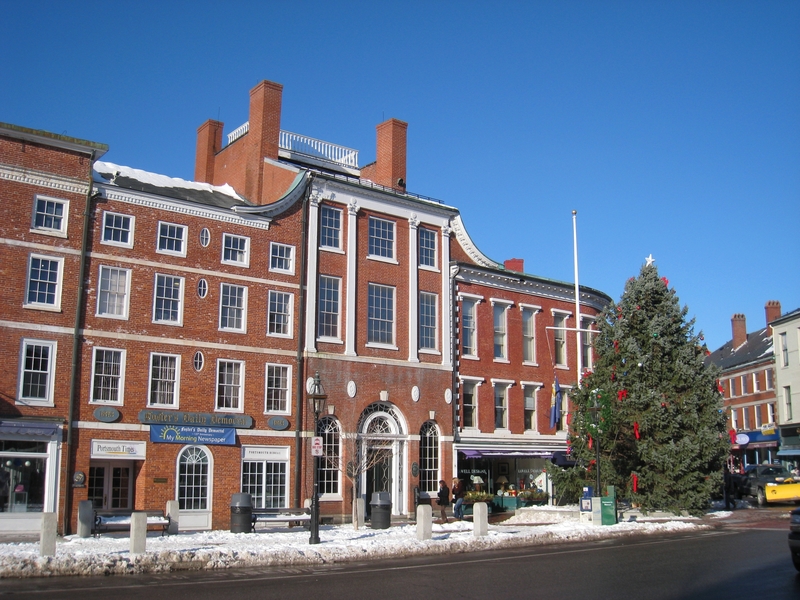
[193, 479]
[265, 481]
[22, 481]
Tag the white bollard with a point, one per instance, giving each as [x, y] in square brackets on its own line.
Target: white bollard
[361, 510]
[85, 518]
[47, 536]
[138, 532]
[424, 522]
[174, 514]
[480, 519]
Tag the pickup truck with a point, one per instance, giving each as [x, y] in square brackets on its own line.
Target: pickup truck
[768, 483]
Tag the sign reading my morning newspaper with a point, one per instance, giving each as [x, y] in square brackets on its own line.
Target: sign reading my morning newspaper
[180, 434]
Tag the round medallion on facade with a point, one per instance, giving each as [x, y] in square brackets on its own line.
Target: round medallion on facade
[309, 384]
[415, 394]
[448, 395]
[351, 389]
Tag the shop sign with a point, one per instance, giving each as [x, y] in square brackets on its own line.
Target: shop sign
[106, 414]
[116, 449]
[265, 452]
[192, 419]
[278, 423]
[742, 439]
[179, 434]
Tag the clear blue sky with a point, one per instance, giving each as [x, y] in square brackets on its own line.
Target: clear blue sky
[673, 128]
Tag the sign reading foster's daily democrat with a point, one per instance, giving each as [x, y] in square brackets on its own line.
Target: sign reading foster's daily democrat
[192, 419]
[180, 434]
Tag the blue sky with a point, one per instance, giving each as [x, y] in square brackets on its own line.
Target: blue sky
[673, 128]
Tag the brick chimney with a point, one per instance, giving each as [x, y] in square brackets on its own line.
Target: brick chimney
[773, 310]
[209, 142]
[515, 264]
[739, 327]
[264, 134]
[389, 168]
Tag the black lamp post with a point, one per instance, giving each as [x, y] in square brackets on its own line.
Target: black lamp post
[595, 410]
[316, 401]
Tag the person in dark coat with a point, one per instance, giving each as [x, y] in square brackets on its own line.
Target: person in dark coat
[458, 499]
[443, 499]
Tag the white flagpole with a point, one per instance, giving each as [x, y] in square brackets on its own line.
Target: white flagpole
[577, 294]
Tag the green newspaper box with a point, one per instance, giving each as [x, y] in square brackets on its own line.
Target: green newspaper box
[608, 506]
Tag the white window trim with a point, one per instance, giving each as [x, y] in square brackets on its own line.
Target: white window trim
[289, 271]
[435, 266]
[381, 345]
[289, 386]
[130, 231]
[507, 383]
[734, 419]
[326, 338]
[51, 372]
[537, 385]
[477, 381]
[477, 300]
[435, 349]
[393, 259]
[567, 315]
[124, 316]
[507, 304]
[185, 239]
[242, 379]
[243, 329]
[236, 263]
[122, 361]
[338, 249]
[62, 233]
[290, 333]
[536, 309]
[177, 394]
[56, 306]
[179, 322]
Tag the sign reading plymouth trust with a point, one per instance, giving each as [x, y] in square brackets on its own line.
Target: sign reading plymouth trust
[179, 434]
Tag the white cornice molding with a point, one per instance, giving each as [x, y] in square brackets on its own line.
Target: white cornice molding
[42, 179]
[469, 246]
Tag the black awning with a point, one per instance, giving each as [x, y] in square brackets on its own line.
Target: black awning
[35, 428]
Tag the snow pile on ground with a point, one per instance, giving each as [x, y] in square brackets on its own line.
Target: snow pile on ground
[108, 554]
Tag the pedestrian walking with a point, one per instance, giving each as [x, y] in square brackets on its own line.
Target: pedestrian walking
[443, 498]
[458, 499]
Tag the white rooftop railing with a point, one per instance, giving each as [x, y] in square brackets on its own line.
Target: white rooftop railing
[238, 132]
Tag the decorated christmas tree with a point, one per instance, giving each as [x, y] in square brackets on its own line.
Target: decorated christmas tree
[650, 403]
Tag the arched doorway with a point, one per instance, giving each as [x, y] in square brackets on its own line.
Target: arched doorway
[382, 437]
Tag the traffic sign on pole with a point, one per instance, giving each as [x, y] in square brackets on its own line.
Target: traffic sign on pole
[316, 446]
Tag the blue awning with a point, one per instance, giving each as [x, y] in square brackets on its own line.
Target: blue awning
[36, 428]
[789, 452]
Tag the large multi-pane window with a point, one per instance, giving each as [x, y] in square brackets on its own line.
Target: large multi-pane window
[232, 304]
[328, 307]
[281, 258]
[469, 404]
[108, 375]
[529, 334]
[193, 479]
[37, 372]
[168, 304]
[112, 292]
[768, 374]
[746, 418]
[500, 348]
[560, 338]
[50, 215]
[230, 384]
[427, 321]
[118, 230]
[787, 401]
[235, 250]
[171, 239]
[44, 281]
[428, 457]
[279, 317]
[164, 369]
[329, 463]
[735, 419]
[277, 394]
[500, 405]
[784, 349]
[427, 247]
[530, 407]
[330, 227]
[469, 345]
[265, 481]
[771, 412]
[380, 318]
[381, 238]
[586, 344]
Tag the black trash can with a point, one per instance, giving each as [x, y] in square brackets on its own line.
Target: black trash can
[381, 514]
[241, 513]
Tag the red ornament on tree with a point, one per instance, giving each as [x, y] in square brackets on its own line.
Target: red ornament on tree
[590, 442]
[666, 281]
[635, 479]
[622, 394]
[636, 430]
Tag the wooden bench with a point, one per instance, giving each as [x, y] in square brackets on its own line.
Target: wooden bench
[287, 516]
[105, 521]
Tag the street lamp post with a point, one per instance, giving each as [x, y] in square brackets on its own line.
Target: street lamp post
[595, 410]
[316, 401]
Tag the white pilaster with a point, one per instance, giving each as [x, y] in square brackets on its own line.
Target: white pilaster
[413, 290]
[350, 311]
[312, 276]
[448, 302]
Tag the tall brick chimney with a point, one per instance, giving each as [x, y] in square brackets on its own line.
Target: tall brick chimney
[773, 310]
[739, 327]
[264, 134]
[209, 142]
[389, 168]
[515, 264]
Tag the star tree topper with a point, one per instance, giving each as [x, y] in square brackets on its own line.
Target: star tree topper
[650, 260]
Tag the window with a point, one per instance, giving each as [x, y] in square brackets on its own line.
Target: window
[164, 381]
[586, 344]
[202, 288]
[108, 375]
[330, 227]
[530, 393]
[784, 350]
[427, 321]
[469, 346]
[735, 420]
[112, 292]
[771, 412]
[787, 402]
[768, 373]
[732, 382]
[745, 385]
[198, 361]
[235, 250]
[756, 383]
[381, 238]
[279, 319]
[328, 307]
[168, 305]
[746, 418]
[380, 320]
[265, 481]
[171, 239]
[560, 337]
[50, 215]
[469, 405]
[45, 274]
[329, 467]
[529, 334]
[427, 248]
[281, 258]
[232, 305]
[759, 419]
[193, 479]
[118, 230]
[37, 372]
[500, 406]
[429, 458]
[205, 237]
[277, 395]
[500, 350]
[230, 384]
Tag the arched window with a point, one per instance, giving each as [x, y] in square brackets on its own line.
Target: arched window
[329, 463]
[193, 479]
[428, 457]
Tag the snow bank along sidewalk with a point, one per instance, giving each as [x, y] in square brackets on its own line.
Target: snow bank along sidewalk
[107, 555]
